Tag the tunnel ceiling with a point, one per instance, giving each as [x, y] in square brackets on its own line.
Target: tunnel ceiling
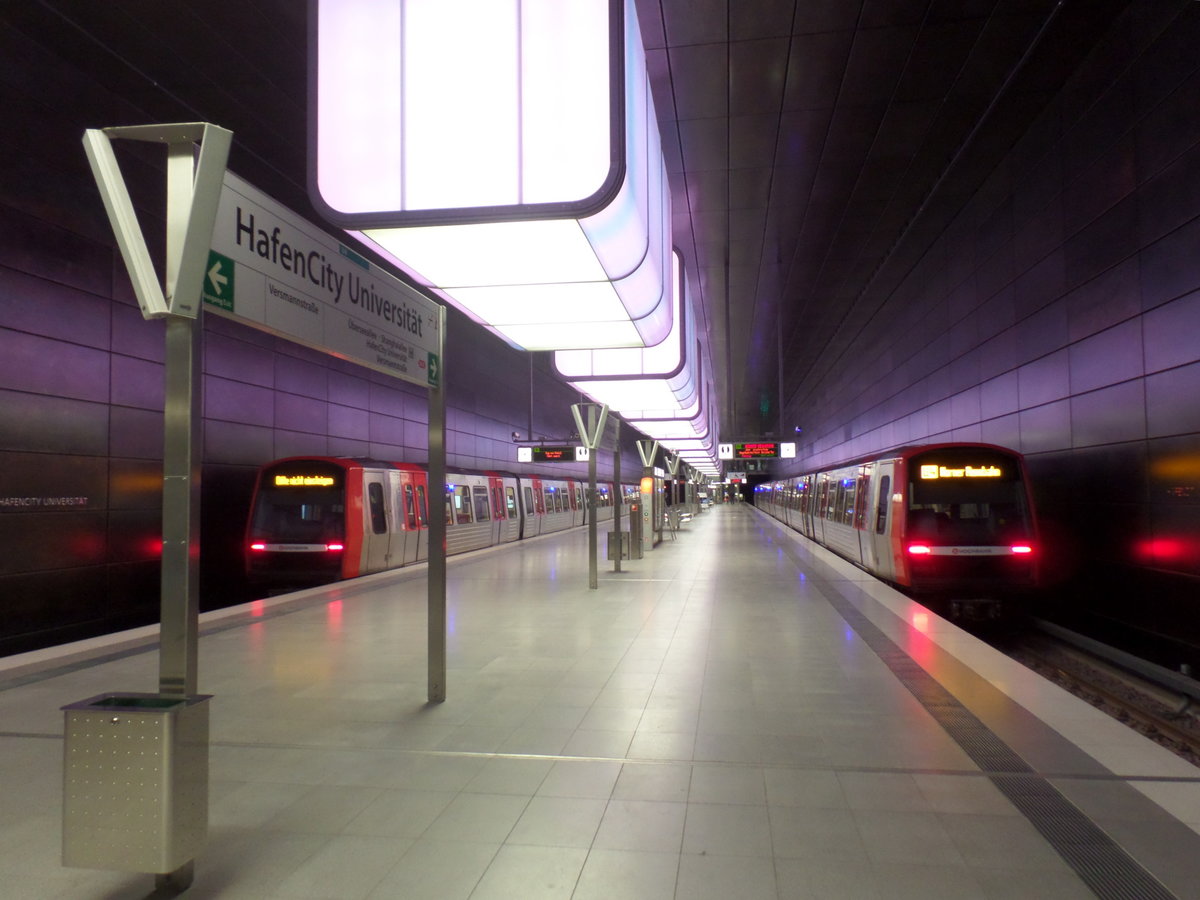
[816, 148]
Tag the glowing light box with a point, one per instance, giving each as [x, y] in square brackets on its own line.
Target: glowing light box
[505, 154]
[634, 380]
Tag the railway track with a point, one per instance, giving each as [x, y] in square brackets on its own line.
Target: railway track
[1158, 703]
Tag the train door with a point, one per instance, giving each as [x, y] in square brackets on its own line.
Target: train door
[879, 524]
[865, 504]
[376, 521]
[534, 511]
[421, 480]
[406, 513]
[499, 512]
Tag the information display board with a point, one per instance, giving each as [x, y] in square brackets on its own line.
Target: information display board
[756, 450]
[552, 454]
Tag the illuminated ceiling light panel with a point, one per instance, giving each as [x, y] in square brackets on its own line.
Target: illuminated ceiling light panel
[652, 382]
[505, 155]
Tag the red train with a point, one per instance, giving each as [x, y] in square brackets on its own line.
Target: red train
[951, 521]
[320, 519]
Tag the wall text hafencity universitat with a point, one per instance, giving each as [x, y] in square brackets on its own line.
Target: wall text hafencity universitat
[315, 267]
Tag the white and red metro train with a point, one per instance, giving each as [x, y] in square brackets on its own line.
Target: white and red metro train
[953, 521]
[320, 519]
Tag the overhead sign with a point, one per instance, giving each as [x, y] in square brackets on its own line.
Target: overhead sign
[552, 454]
[273, 270]
[756, 450]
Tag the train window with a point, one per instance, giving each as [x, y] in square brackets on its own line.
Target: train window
[497, 502]
[422, 509]
[988, 508]
[462, 504]
[377, 507]
[449, 505]
[528, 501]
[299, 515]
[885, 494]
[410, 509]
[510, 495]
[549, 495]
[480, 496]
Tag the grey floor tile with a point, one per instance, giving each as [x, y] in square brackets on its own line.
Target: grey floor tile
[627, 875]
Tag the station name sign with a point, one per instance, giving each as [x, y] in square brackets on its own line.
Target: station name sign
[277, 272]
[934, 471]
[552, 454]
[756, 450]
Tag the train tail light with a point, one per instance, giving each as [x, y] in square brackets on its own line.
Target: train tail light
[258, 546]
[1021, 549]
[335, 547]
[918, 550]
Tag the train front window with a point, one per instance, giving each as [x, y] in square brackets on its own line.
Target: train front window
[299, 515]
[968, 500]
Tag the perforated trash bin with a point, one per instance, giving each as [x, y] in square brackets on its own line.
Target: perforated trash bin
[135, 781]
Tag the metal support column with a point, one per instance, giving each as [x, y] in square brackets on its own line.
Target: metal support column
[593, 565]
[619, 499]
[437, 529]
[180, 600]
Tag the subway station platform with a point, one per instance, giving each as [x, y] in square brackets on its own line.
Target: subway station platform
[738, 715]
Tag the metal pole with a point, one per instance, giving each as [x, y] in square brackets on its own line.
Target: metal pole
[180, 585]
[593, 568]
[180, 601]
[437, 526]
[619, 499]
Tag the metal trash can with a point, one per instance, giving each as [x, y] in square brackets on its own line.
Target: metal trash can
[135, 781]
[614, 544]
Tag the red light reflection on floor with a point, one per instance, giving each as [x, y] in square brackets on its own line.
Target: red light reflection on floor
[333, 616]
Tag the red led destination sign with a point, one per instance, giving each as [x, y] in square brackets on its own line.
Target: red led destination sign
[553, 454]
[759, 450]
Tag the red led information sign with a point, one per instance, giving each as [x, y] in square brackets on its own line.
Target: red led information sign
[759, 450]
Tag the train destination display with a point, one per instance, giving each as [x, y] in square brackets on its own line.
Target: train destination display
[273, 270]
[932, 471]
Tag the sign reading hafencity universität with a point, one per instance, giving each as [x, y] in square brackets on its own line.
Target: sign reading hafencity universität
[272, 270]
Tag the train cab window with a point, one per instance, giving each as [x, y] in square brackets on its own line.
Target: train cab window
[377, 507]
[510, 497]
[480, 496]
[299, 515]
[984, 508]
[885, 495]
[462, 504]
[422, 509]
[410, 508]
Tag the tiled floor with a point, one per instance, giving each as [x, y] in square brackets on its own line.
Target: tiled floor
[705, 725]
